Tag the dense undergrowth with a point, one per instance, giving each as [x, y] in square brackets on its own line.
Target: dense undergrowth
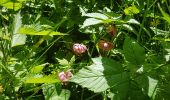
[84, 50]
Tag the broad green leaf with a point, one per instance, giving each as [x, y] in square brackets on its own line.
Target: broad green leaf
[37, 69]
[17, 39]
[104, 73]
[131, 10]
[133, 52]
[33, 31]
[42, 79]
[97, 16]
[91, 21]
[152, 87]
[50, 92]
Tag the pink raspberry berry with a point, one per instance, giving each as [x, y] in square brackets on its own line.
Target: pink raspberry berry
[65, 76]
[79, 48]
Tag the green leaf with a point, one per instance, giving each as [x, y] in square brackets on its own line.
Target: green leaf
[152, 87]
[63, 62]
[17, 39]
[104, 73]
[37, 69]
[131, 10]
[50, 92]
[97, 16]
[91, 21]
[42, 79]
[133, 21]
[133, 52]
[10, 4]
[33, 31]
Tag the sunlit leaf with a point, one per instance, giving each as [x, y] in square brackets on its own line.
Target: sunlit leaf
[152, 87]
[91, 21]
[133, 21]
[11, 4]
[97, 15]
[42, 79]
[33, 31]
[131, 10]
[17, 39]
[63, 62]
[104, 73]
[37, 69]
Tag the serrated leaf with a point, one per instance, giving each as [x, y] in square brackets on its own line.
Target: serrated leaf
[17, 39]
[133, 52]
[91, 21]
[42, 79]
[63, 62]
[50, 92]
[97, 15]
[104, 73]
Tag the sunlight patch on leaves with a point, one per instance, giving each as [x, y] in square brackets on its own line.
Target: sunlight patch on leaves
[152, 87]
[37, 69]
[131, 10]
[42, 79]
[28, 30]
[97, 16]
[10, 4]
[91, 21]
[17, 39]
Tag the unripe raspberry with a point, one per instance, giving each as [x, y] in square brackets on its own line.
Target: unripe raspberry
[79, 48]
[105, 45]
[65, 76]
[112, 30]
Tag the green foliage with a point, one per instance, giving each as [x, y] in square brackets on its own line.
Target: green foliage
[37, 60]
[41, 79]
[33, 31]
[131, 10]
[104, 73]
[133, 52]
[12, 4]
[17, 39]
[54, 92]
